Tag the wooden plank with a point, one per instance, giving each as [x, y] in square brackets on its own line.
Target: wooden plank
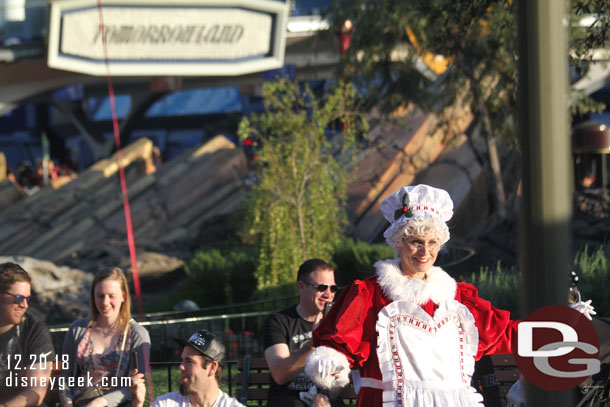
[140, 149]
[141, 210]
[255, 378]
[257, 394]
[17, 232]
[417, 154]
[48, 204]
[217, 143]
[255, 364]
[135, 189]
[3, 167]
[227, 206]
[56, 251]
[179, 165]
[459, 173]
[504, 360]
[202, 207]
[150, 230]
[9, 194]
[82, 210]
[42, 239]
[510, 376]
[89, 199]
[178, 196]
[397, 144]
[23, 207]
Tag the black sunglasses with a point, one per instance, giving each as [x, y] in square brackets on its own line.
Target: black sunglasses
[323, 287]
[18, 298]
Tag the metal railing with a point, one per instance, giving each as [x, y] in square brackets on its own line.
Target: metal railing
[240, 332]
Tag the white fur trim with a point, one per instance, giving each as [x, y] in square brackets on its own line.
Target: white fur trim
[331, 382]
[438, 286]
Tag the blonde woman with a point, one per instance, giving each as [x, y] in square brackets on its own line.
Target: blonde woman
[99, 346]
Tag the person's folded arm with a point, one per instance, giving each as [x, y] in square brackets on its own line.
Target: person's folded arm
[32, 396]
[283, 365]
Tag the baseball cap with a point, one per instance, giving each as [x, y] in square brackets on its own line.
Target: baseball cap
[207, 344]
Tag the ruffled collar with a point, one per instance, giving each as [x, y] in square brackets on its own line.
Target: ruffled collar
[438, 286]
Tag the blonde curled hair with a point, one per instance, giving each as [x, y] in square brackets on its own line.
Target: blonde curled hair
[419, 227]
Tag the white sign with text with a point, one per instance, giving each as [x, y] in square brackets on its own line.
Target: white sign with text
[184, 37]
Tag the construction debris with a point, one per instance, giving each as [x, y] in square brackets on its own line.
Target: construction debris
[87, 213]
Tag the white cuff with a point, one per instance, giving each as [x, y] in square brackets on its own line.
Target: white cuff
[338, 378]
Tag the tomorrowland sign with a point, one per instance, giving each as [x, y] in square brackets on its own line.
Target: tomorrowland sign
[168, 37]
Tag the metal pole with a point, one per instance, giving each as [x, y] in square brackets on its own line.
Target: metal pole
[546, 208]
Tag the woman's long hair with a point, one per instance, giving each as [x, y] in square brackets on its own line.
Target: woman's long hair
[114, 273]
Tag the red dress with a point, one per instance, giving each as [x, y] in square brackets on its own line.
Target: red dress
[424, 335]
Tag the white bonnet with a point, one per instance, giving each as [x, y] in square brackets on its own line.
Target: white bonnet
[423, 201]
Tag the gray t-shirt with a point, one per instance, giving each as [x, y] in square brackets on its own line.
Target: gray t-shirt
[23, 345]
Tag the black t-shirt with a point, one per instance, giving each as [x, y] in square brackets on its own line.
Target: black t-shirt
[288, 327]
[25, 344]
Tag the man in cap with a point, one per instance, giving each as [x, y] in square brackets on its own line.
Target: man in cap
[203, 357]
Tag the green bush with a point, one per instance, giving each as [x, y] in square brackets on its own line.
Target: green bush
[279, 291]
[594, 277]
[223, 278]
[219, 278]
[354, 260]
[500, 287]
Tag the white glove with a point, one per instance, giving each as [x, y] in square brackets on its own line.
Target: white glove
[516, 395]
[584, 308]
[328, 367]
[307, 396]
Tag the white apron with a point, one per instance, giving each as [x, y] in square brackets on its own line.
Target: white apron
[427, 361]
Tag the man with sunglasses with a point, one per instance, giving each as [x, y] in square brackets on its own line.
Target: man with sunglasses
[287, 334]
[26, 350]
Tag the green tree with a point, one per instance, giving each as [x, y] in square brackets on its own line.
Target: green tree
[589, 35]
[296, 209]
[477, 37]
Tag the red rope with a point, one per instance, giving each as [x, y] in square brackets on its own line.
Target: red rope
[128, 224]
[117, 141]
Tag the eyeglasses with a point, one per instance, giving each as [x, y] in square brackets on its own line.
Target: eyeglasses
[323, 287]
[432, 245]
[18, 299]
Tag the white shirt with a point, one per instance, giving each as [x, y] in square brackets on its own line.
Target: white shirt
[175, 399]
